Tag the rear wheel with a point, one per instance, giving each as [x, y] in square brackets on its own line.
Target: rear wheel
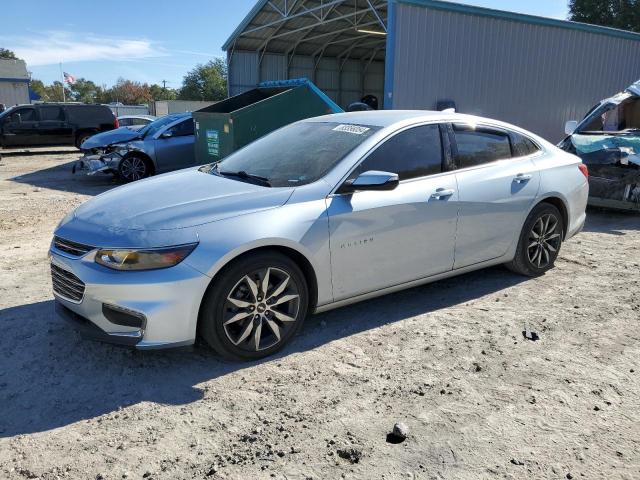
[82, 137]
[540, 241]
[133, 168]
[255, 306]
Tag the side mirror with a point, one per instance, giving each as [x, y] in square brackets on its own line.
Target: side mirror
[372, 180]
[166, 134]
[570, 127]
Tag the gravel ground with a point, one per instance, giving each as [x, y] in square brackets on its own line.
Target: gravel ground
[448, 359]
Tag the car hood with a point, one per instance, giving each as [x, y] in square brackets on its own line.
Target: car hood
[176, 200]
[104, 139]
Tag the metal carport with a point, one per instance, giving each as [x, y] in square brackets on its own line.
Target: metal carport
[533, 71]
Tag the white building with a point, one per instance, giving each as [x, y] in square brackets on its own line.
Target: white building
[14, 82]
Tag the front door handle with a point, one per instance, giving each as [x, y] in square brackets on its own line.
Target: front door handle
[442, 193]
[522, 178]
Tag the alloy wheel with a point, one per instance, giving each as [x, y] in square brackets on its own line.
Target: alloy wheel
[261, 308]
[544, 241]
[133, 168]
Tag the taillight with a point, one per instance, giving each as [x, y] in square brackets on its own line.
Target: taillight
[585, 171]
[116, 123]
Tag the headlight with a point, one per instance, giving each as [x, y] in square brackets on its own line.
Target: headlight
[151, 259]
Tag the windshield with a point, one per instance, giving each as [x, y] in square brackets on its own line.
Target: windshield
[152, 128]
[6, 112]
[297, 154]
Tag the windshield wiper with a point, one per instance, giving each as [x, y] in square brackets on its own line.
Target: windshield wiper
[245, 176]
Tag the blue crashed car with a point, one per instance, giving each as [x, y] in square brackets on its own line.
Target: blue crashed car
[163, 145]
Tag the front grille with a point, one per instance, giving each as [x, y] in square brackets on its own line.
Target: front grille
[66, 284]
[72, 248]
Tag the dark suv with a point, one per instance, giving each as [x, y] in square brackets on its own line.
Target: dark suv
[53, 124]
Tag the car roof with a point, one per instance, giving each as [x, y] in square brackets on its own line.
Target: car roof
[399, 118]
[146, 117]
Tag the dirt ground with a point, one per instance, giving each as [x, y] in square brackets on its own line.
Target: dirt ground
[448, 359]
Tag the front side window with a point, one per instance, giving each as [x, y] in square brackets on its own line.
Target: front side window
[297, 154]
[26, 115]
[412, 153]
[182, 129]
[476, 146]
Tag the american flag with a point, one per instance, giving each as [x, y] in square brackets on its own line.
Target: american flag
[70, 79]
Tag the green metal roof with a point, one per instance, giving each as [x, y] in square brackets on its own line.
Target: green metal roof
[521, 17]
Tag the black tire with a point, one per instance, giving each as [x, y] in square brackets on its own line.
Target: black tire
[82, 137]
[540, 241]
[224, 323]
[133, 167]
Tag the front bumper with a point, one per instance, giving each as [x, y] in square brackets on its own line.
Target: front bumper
[165, 302]
[92, 164]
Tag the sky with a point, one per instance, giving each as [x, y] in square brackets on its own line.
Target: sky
[143, 40]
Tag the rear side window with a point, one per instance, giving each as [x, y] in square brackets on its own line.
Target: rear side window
[522, 146]
[476, 146]
[51, 113]
[413, 153]
[90, 114]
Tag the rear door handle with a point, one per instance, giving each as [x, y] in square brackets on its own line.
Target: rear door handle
[442, 193]
[522, 177]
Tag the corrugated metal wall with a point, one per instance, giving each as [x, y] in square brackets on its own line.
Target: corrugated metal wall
[535, 76]
[356, 79]
[12, 93]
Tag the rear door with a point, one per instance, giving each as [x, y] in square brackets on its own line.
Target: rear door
[21, 128]
[385, 238]
[497, 183]
[175, 147]
[53, 127]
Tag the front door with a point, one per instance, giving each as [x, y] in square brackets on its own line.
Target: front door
[175, 147]
[385, 238]
[21, 128]
[496, 188]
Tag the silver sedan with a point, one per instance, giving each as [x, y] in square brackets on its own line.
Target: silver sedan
[319, 214]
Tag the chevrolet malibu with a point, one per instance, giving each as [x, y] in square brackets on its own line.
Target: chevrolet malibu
[319, 214]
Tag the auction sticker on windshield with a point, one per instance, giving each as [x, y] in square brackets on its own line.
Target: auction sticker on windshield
[356, 129]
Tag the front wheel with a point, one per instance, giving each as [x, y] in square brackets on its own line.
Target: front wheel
[540, 241]
[255, 306]
[133, 168]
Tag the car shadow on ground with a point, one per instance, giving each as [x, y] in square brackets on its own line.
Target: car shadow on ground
[612, 222]
[30, 153]
[52, 378]
[61, 178]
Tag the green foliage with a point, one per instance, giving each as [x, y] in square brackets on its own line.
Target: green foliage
[5, 53]
[84, 91]
[162, 93]
[206, 82]
[623, 14]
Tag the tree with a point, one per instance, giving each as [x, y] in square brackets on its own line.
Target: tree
[162, 93]
[624, 14]
[84, 91]
[206, 82]
[129, 92]
[7, 54]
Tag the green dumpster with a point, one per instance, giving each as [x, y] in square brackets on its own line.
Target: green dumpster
[226, 126]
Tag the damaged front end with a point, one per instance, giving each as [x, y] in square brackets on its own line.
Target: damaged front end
[101, 160]
[608, 142]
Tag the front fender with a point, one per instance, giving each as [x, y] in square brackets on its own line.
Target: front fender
[302, 227]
